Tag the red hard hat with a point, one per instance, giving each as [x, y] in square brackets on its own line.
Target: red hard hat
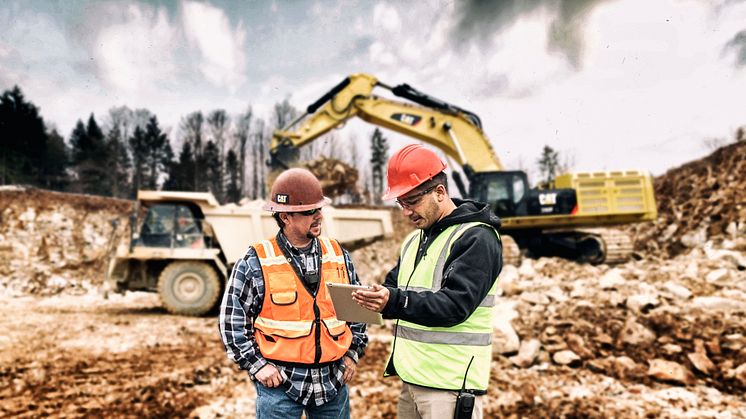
[294, 190]
[409, 168]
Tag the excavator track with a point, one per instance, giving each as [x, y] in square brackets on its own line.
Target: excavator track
[616, 245]
[511, 252]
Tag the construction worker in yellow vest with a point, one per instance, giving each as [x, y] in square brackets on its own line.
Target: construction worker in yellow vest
[441, 292]
[277, 320]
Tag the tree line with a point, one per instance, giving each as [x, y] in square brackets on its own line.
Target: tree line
[127, 150]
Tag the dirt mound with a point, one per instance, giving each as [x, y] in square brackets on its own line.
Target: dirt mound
[52, 241]
[699, 201]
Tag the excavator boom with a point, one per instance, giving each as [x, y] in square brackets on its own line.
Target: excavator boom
[455, 131]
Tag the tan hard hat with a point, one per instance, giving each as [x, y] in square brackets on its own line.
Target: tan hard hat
[295, 190]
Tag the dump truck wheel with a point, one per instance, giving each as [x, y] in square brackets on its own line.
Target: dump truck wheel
[189, 288]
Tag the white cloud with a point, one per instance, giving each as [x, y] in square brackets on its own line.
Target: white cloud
[273, 86]
[379, 53]
[386, 17]
[221, 47]
[655, 79]
[136, 53]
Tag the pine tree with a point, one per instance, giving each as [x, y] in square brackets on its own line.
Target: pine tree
[55, 162]
[379, 148]
[192, 131]
[118, 163]
[23, 140]
[158, 155]
[218, 121]
[139, 149]
[232, 189]
[548, 165]
[212, 169]
[79, 143]
[181, 173]
[89, 155]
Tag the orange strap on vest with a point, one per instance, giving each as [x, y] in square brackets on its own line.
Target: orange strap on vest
[287, 329]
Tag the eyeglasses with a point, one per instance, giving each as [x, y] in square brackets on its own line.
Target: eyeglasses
[309, 212]
[413, 200]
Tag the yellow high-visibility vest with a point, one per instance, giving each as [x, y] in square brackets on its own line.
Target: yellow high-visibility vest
[438, 357]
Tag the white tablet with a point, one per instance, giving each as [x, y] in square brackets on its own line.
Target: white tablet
[347, 309]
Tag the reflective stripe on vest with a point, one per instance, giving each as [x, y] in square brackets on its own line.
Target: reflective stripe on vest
[284, 329]
[437, 357]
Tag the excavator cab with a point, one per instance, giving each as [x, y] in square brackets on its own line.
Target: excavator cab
[504, 191]
[509, 194]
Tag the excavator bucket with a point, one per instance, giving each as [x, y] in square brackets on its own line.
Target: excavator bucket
[283, 157]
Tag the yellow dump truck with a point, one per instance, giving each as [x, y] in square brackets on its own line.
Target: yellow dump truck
[184, 244]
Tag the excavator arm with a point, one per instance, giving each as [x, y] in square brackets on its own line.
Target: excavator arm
[454, 130]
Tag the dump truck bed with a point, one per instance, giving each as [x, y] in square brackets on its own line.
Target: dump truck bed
[237, 226]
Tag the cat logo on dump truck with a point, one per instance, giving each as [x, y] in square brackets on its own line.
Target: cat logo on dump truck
[407, 118]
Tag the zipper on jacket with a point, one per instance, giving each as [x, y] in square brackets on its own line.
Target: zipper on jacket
[317, 333]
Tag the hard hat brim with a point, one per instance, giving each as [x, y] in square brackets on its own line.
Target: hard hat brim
[275, 207]
[396, 192]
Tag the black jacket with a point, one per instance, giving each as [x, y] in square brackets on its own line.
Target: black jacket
[473, 265]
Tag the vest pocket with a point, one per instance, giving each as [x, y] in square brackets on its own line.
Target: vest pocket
[335, 340]
[332, 274]
[335, 331]
[284, 298]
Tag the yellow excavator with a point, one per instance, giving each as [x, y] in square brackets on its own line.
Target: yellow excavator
[570, 219]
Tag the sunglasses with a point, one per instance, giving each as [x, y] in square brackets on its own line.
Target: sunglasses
[309, 212]
[413, 200]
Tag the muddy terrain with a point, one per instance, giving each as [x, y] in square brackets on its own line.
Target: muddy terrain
[660, 336]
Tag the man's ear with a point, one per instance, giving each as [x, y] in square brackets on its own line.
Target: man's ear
[284, 217]
[441, 193]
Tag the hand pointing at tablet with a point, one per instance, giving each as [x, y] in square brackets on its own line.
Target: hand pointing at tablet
[374, 300]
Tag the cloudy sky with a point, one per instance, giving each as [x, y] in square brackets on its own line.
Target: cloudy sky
[611, 83]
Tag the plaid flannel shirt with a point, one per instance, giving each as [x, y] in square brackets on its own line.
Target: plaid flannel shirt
[242, 302]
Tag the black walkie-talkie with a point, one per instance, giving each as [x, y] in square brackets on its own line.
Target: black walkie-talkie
[465, 400]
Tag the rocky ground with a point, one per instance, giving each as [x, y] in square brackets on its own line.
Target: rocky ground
[661, 336]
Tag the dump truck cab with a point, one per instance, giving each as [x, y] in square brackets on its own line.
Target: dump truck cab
[183, 245]
[173, 224]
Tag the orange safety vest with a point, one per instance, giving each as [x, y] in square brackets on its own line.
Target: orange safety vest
[293, 326]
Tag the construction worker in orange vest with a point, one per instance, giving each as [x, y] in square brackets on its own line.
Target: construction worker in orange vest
[277, 320]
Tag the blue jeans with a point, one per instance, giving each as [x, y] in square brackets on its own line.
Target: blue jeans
[273, 403]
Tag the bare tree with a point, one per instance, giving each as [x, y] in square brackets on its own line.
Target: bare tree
[566, 162]
[548, 164]
[192, 129]
[712, 144]
[379, 156]
[243, 131]
[259, 144]
[218, 121]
